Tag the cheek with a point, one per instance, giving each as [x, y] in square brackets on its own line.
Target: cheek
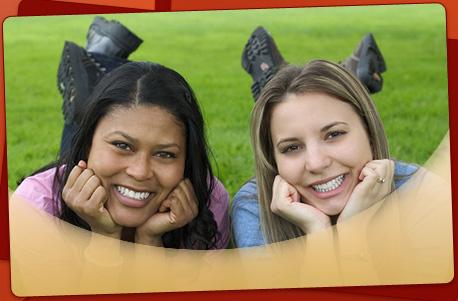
[357, 157]
[101, 163]
[289, 169]
[170, 176]
[364, 152]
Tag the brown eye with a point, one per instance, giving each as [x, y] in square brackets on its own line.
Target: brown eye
[165, 155]
[334, 134]
[290, 148]
[122, 145]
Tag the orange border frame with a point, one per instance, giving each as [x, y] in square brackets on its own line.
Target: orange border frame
[12, 8]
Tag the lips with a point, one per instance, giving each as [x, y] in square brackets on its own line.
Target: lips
[330, 185]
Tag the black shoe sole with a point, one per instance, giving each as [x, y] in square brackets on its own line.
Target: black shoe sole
[257, 86]
[259, 50]
[371, 62]
[76, 76]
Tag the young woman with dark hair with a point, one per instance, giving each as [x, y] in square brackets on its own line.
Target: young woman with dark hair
[138, 166]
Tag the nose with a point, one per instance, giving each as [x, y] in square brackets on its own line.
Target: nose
[317, 159]
[140, 167]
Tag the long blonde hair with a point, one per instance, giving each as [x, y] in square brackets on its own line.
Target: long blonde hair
[315, 76]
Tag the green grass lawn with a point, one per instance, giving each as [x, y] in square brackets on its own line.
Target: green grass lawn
[206, 47]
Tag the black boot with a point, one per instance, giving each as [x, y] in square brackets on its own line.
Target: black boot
[76, 76]
[111, 38]
[261, 59]
[367, 63]
[108, 45]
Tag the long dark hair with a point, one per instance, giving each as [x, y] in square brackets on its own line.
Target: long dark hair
[149, 84]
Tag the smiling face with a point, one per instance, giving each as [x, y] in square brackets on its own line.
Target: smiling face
[139, 155]
[320, 148]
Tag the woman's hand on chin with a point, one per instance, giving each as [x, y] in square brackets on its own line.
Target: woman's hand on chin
[177, 210]
[376, 181]
[286, 203]
[86, 196]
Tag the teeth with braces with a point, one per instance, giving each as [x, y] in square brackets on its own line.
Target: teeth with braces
[132, 194]
[331, 185]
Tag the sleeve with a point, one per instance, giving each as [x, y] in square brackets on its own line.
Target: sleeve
[245, 217]
[403, 172]
[38, 190]
[219, 205]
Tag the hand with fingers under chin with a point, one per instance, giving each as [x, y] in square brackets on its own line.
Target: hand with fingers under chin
[177, 210]
[376, 181]
[86, 196]
[286, 203]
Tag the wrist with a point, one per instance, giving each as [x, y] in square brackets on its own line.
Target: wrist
[113, 234]
[103, 250]
[315, 227]
[149, 240]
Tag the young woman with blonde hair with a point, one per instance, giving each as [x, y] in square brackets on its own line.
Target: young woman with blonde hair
[321, 155]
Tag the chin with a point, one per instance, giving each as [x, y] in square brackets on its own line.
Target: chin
[128, 224]
[128, 221]
[332, 211]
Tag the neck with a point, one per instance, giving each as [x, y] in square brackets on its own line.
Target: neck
[128, 234]
[334, 219]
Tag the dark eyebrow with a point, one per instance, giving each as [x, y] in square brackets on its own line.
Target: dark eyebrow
[132, 139]
[168, 145]
[128, 137]
[286, 140]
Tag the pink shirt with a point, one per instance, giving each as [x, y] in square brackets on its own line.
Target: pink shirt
[38, 190]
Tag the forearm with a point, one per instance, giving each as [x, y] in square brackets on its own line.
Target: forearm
[153, 241]
[103, 264]
[354, 248]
